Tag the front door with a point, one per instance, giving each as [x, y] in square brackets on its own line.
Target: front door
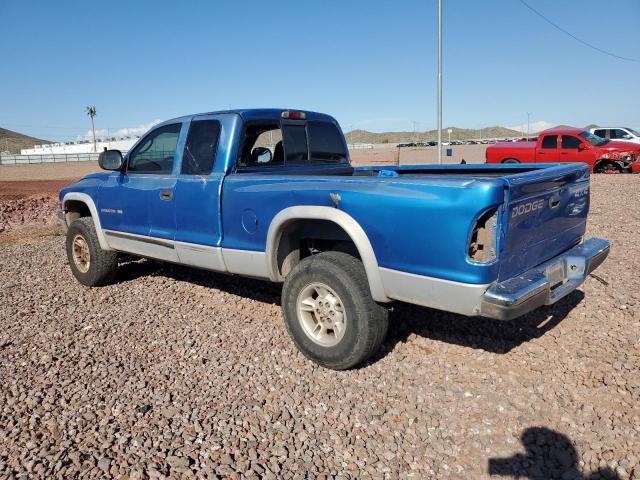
[136, 207]
[570, 150]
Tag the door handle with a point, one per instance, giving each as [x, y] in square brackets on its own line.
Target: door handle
[166, 195]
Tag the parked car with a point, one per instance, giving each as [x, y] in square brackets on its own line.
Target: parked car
[617, 133]
[569, 145]
[407, 145]
[203, 191]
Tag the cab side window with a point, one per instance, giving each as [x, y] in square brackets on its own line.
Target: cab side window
[200, 150]
[549, 141]
[569, 141]
[602, 133]
[156, 152]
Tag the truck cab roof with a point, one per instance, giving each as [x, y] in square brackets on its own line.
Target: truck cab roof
[561, 129]
[249, 114]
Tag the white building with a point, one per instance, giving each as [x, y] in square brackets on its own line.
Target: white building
[83, 146]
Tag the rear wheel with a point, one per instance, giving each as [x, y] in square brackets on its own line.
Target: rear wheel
[510, 160]
[91, 265]
[329, 311]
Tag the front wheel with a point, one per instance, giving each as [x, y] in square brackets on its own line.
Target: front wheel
[607, 167]
[329, 311]
[91, 265]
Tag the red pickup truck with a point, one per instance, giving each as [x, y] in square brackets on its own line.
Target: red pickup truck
[569, 145]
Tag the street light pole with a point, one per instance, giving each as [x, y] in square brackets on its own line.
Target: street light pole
[439, 82]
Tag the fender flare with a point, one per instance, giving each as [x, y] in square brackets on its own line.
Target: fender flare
[342, 219]
[88, 201]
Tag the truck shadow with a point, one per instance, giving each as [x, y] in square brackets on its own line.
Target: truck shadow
[548, 454]
[493, 336]
[131, 268]
[405, 320]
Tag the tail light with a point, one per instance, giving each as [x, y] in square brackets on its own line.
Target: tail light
[483, 240]
[293, 115]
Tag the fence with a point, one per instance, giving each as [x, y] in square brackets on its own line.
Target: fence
[48, 158]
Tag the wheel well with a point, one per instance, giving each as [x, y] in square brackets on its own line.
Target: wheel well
[75, 209]
[602, 162]
[301, 238]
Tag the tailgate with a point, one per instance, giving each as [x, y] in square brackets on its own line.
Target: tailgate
[546, 213]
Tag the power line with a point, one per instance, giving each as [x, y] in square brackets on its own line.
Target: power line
[576, 38]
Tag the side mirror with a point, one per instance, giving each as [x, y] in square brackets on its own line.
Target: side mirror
[110, 160]
[582, 146]
[261, 155]
[626, 136]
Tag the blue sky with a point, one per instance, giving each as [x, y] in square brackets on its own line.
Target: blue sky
[371, 64]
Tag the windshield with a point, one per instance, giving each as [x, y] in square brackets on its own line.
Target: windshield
[633, 131]
[593, 139]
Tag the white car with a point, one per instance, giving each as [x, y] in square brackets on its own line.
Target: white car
[617, 133]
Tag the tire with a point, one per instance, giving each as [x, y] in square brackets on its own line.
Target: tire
[605, 166]
[91, 265]
[350, 326]
[510, 160]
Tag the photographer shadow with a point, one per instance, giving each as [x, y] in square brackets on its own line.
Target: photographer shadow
[549, 455]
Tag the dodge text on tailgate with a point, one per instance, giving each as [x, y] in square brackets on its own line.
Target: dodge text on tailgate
[271, 194]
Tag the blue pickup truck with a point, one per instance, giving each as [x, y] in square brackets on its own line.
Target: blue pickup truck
[270, 194]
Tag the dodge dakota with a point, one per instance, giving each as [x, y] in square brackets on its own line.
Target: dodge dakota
[569, 145]
[270, 194]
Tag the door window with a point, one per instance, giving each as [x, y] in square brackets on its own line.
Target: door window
[156, 152]
[601, 133]
[618, 133]
[549, 142]
[200, 150]
[569, 141]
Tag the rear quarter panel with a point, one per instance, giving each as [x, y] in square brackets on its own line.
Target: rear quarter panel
[414, 225]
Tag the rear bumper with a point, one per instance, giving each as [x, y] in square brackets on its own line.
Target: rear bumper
[544, 284]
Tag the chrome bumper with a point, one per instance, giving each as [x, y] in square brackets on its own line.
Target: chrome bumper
[544, 284]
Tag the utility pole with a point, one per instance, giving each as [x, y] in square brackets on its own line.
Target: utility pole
[439, 82]
[416, 126]
[528, 125]
[91, 111]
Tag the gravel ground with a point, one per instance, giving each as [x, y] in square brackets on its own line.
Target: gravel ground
[24, 215]
[180, 373]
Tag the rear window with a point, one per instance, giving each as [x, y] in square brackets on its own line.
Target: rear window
[550, 141]
[295, 144]
[325, 143]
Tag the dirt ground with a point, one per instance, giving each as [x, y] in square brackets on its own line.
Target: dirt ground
[388, 155]
[47, 171]
[176, 373]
